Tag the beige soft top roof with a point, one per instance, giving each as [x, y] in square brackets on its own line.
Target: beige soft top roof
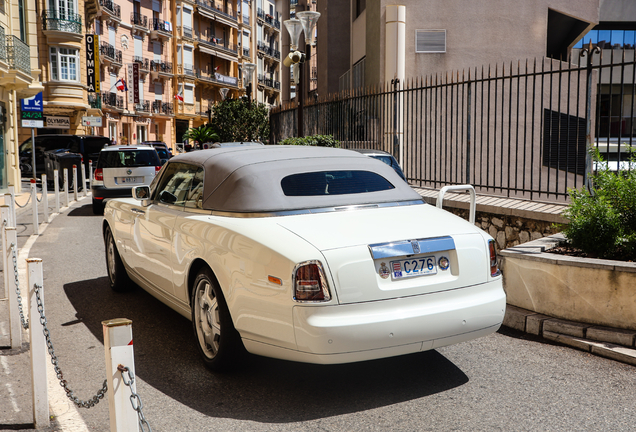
[248, 179]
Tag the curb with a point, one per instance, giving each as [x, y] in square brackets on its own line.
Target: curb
[612, 343]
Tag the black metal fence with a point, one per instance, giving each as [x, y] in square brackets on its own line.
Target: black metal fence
[518, 130]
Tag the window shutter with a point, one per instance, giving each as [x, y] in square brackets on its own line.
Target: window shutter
[430, 41]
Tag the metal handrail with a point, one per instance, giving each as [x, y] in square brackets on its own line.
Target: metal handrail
[468, 188]
[18, 55]
[62, 21]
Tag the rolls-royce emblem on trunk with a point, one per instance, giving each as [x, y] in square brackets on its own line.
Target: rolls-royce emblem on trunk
[416, 246]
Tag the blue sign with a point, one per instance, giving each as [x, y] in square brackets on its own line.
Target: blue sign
[34, 103]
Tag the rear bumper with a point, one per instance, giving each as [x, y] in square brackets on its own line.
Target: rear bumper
[365, 331]
[100, 192]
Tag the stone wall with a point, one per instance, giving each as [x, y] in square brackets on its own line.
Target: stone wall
[507, 230]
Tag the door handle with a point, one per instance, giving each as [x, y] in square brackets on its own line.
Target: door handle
[138, 211]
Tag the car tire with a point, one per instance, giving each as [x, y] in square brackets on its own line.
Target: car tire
[98, 207]
[117, 275]
[218, 342]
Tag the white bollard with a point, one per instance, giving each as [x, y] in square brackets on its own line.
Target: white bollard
[90, 173]
[75, 182]
[66, 186]
[45, 198]
[9, 237]
[38, 345]
[84, 188]
[56, 186]
[118, 349]
[34, 198]
[12, 205]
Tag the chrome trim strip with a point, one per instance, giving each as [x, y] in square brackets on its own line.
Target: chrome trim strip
[316, 210]
[405, 247]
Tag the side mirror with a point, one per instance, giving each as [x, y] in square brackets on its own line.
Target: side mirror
[141, 193]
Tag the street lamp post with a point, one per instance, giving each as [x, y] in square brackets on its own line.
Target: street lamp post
[248, 70]
[305, 21]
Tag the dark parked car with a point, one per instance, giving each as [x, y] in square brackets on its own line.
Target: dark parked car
[86, 145]
[162, 148]
[385, 157]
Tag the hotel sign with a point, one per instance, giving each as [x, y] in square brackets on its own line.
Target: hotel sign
[92, 63]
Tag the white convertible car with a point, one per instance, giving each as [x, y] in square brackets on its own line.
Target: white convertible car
[310, 254]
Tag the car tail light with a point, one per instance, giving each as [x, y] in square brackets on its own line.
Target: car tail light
[494, 267]
[310, 283]
[157, 168]
[99, 174]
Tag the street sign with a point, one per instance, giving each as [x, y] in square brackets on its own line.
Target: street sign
[32, 123]
[92, 121]
[34, 103]
[31, 115]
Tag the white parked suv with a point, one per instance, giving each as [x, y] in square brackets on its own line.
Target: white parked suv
[119, 168]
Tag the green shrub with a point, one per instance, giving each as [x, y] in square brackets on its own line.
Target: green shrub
[316, 140]
[603, 223]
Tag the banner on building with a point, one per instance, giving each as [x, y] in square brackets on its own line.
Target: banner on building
[92, 63]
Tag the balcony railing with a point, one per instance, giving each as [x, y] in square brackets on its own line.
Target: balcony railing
[112, 100]
[187, 31]
[159, 107]
[246, 52]
[112, 8]
[18, 55]
[143, 106]
[216, 8]
[268, 18]
[188, 69]
[94, 100]
[268, 82]
[139, 20]
[144, 64]
[217, 43]
[110, 52]
[160, 25]
[3, 46]
[160, 66]
[270, 51]
[66, 22]
[216, 77]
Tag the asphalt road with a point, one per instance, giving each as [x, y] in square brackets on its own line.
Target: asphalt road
[506, 381]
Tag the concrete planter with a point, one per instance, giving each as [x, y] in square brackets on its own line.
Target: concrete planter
[586, 290]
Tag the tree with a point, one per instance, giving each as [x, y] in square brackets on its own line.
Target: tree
[239, 120]
[202, 134]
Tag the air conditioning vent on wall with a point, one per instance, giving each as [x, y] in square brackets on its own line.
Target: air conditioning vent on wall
[430, 41]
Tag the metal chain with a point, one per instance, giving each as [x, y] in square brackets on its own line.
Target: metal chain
[14, 255]
[47, 334]
[135, 400]
[36, 197]
[25, 204]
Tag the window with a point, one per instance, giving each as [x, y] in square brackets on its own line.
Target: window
[181, 185]
[64, 64]
[333, 183]
[128, 159]
[141, 133]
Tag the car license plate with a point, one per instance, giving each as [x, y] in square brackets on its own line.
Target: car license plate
[413, 267]
[130, 179]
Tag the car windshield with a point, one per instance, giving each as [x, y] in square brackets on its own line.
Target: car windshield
[333, 183]
[128, 159]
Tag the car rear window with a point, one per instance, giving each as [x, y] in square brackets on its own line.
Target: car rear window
[128, 158]
[334, 183]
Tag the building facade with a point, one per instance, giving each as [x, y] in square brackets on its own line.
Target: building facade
[268, 45]
[19, 78]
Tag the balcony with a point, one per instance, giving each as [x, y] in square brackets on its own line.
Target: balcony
[109, 54]
[144, 63]
[15, 61]
[112, 101]
[216, 78]
[268, 50]
[139, 23]
[160, 30]
[143, 107]
[111, 9]
[211, 42]
[246, 52]
[268, 19]
[161, 67]
[268, 82]
[185, 32]
[162, 108]
[186, 69]
[62, 27]
[215, 11]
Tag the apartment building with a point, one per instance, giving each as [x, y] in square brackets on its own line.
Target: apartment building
[19, 78]
[268, 43]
